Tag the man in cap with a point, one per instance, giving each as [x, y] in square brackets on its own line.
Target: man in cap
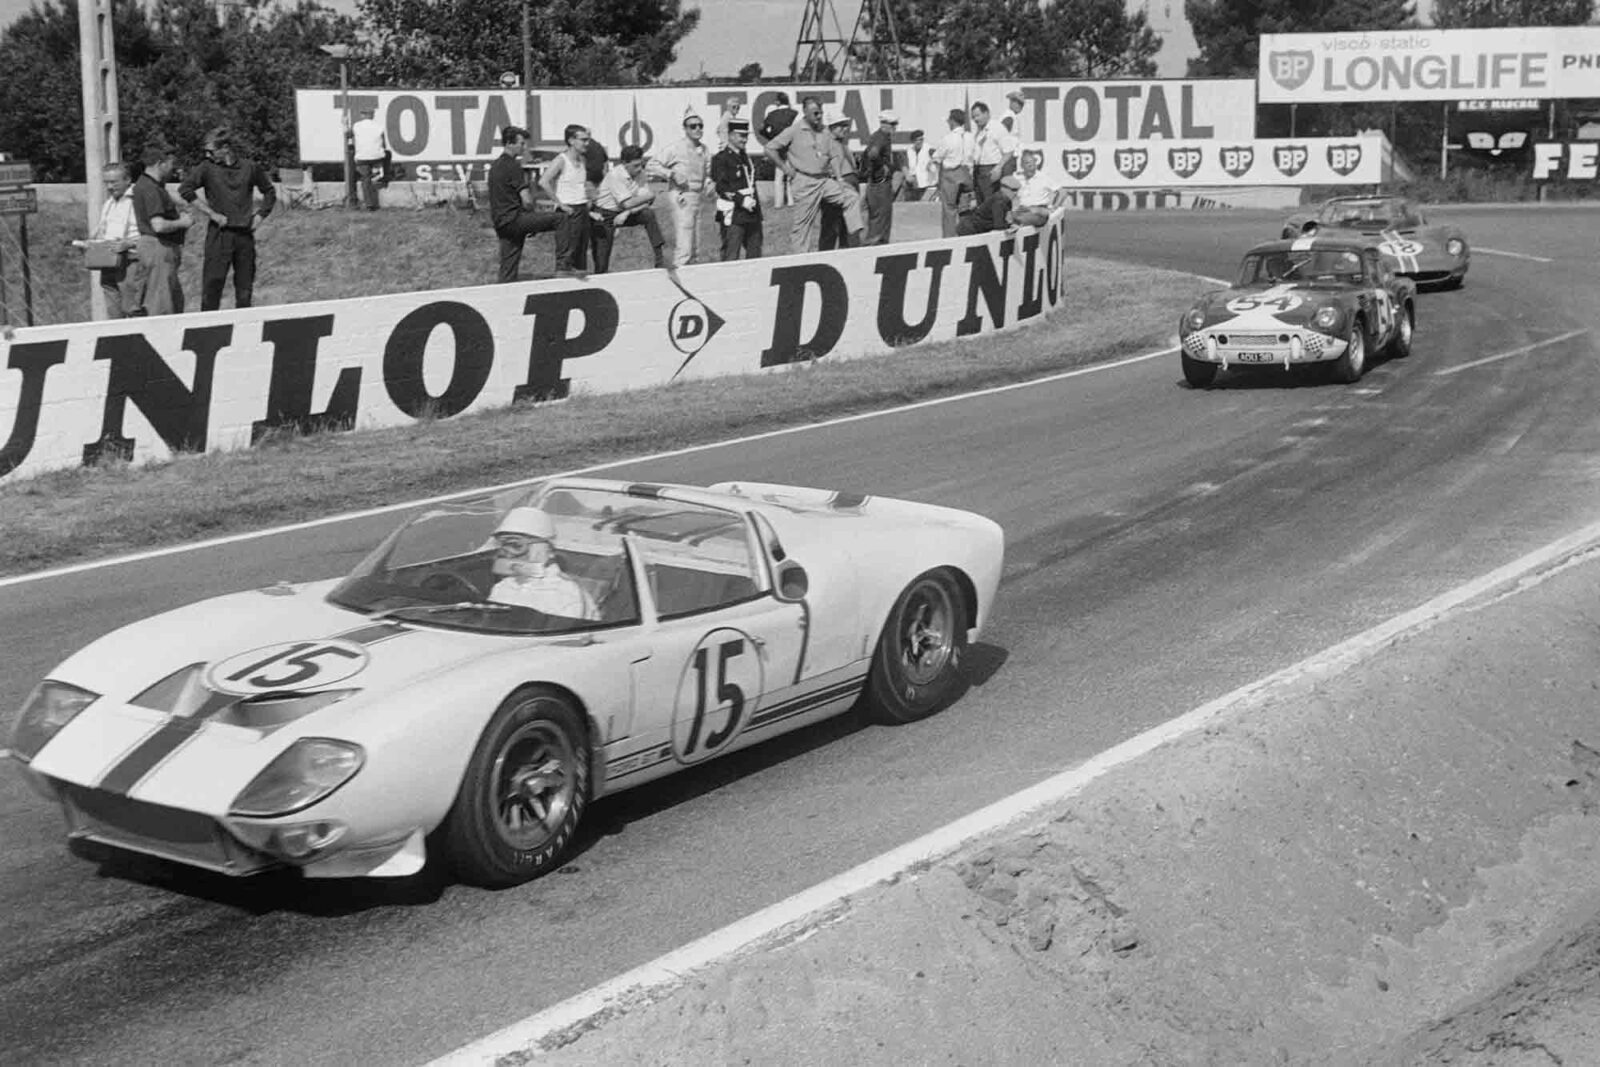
[530, 574]
[738, 206]
[832, 233]
[804, 152]
[685, 165]
[882, 174]
[955, 156]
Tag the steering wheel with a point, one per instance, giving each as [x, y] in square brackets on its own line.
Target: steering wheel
[452, 583]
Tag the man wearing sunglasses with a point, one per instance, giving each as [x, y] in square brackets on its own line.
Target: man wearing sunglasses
[686, 167]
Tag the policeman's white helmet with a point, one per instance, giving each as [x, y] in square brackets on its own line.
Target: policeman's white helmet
[528, 522]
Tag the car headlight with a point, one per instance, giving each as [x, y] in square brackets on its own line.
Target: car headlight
[1327, 318]
[1195, 319]
[49, 708]
[304, 773]
[1455, 246]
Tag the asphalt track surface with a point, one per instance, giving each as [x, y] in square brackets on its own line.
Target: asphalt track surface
[1165, 546]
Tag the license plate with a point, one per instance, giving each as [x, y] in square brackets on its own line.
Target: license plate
[1257, 357]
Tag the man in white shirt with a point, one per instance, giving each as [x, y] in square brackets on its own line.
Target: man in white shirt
[624, 202]
[954, 156]
[371, 152]
[566, 182]
[1036, 194]
[120, 229]
[686, 166]
[990, 153]
[530, 574]
[921, 172]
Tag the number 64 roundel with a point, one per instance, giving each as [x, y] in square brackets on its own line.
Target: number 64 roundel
[719, 689]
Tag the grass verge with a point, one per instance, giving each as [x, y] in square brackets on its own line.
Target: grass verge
[1111, 310]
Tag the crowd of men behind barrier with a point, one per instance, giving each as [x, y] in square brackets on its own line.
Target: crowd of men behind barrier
[979, 171]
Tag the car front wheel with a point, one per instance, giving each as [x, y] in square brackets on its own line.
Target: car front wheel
[1350, 366]
[1197, 372]
[916, 667]
[1400, 343]
[523, 793]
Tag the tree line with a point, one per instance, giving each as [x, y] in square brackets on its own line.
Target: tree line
[185, 66]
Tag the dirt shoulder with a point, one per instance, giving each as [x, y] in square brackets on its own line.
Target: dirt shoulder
[1398, 862]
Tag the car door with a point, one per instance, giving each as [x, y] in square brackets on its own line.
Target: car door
[718, 648]
[1379, 298]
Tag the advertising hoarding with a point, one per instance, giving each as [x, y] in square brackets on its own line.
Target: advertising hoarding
[452, 134]
[1272, 161]
[1543, 63]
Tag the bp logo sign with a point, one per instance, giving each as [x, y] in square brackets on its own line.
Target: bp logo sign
[1077, 162]
[1290, 69]
[1344, 158]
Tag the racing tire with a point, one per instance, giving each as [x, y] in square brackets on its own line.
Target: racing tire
[916, 666]
[1197, 372]
[1400, 344]
[523, 793]
[1349, 368]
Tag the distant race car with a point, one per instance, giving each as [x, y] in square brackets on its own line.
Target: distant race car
[495, 664]
[1428, 254]
[1316, 299]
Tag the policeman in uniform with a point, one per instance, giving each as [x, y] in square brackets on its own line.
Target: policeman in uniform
[738, 206]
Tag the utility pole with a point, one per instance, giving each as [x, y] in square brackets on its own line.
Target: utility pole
[102, 142]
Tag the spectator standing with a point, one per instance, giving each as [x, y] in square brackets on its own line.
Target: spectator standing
[229, 182]
[738, 206]
[1012, 120]
[510, 211]
[596, 161]
[623, 201]
[161, 233]
[954, 156]
[990, 153]
[566, 180]
[730, 114]
[119, 283]
[686, 167]
[922, 174]
[804, 151]
[777, 119]
[371, 150]
[879, 163]
[831, 233]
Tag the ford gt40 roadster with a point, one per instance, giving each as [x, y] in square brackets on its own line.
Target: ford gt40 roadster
[1427, 253]
[496, 664]
[1313, 300]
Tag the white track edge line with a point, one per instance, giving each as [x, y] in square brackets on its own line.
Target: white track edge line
[638, 987]
[1511, 255]
[351, 516]
[1510, 353]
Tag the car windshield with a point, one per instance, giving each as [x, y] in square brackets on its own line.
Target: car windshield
[555, 559]
[1366, 214]
[1322, 265]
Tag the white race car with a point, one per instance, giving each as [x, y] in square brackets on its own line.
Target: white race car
[495, 664]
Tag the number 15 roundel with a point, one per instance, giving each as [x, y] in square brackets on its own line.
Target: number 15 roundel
[719, 689]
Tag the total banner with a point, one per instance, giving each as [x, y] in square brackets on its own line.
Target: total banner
[145, 389]
[453, 134]
[1276, 161]
[1544, 63]
[1572, 160]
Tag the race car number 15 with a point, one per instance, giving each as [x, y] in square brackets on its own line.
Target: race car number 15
[721, 679]
[289, 666]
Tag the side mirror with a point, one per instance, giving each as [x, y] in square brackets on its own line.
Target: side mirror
[792, 581]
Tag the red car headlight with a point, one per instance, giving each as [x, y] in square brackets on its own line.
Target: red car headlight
[47, 711]
[1327, 318]
[304, 773]
[1195, 319]
[1455, 246]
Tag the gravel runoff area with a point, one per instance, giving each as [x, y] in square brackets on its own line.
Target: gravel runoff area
[1394, 859]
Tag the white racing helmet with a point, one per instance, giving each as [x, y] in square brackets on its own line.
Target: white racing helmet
[528, 522]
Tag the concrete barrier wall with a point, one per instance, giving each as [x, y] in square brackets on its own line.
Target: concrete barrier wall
[143, 389]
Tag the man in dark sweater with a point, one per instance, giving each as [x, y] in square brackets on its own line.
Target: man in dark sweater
[514, 220]
[158, 290]
[229, 182]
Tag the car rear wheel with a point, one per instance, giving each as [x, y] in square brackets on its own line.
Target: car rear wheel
[1400, 344]
[916, 668]
[1197, 372]
[1353, 364]
[523, 793]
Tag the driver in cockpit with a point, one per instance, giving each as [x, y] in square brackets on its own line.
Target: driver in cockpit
[530, 574]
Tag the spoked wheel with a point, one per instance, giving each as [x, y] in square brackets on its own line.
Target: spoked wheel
[916, 667]
[1400, 345]
[1349, 367]
[523, 793]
